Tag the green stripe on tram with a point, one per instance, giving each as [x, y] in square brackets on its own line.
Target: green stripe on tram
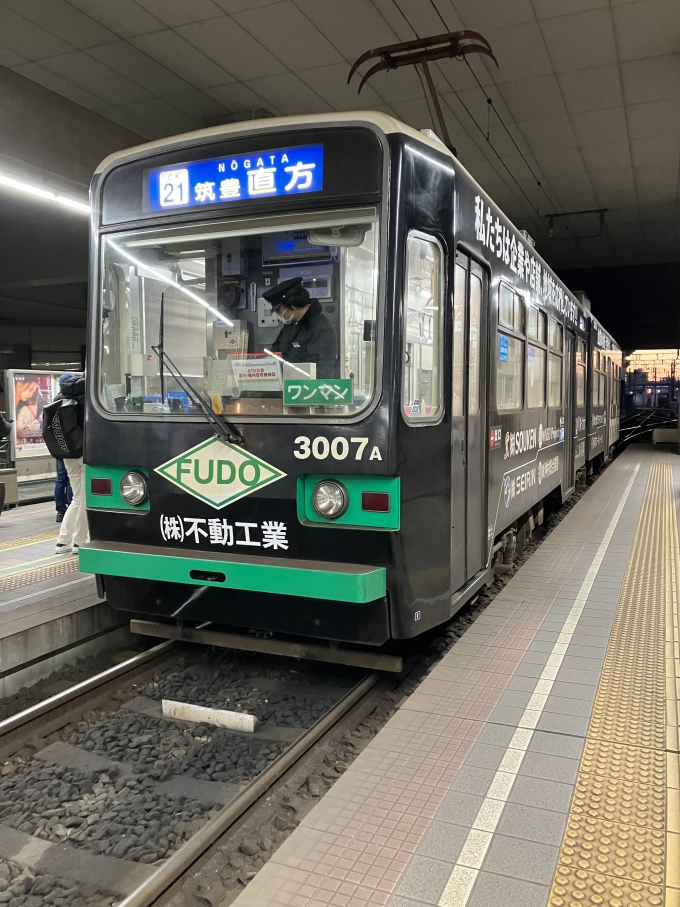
[355, 584]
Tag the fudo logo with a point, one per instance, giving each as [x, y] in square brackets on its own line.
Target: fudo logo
[219, 473]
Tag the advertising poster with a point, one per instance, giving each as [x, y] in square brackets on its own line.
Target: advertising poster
[31, 393]
[27, 394]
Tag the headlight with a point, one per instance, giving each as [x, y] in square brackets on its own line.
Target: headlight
[330, 499]
[133, 488]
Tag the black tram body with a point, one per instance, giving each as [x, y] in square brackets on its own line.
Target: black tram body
[470, 367]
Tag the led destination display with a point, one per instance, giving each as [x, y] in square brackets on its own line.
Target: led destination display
[286, 171]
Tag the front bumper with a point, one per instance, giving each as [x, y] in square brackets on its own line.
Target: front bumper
[355, 583]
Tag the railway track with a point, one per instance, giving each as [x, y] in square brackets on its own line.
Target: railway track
[103, 801]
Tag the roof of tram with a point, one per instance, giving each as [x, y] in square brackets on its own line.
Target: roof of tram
[586, 97]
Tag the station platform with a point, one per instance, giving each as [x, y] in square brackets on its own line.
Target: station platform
[50, 613]
[538, 763]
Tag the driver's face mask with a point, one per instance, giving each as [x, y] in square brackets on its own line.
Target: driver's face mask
[287, 316]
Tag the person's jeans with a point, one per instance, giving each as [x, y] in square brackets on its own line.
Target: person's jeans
[63, 494]
[74, 525]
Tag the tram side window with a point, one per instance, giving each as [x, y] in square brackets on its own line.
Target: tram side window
[555, 335]
[536, 357]
[536, 324]
[554, 380]
[458, 383]
[510, 309]
[535, 377]
[423, 315]
[510, 352]
[581, 374]
[475, 341]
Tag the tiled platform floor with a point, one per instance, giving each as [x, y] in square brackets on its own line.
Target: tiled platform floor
[493, 737]
[48, 614]
[27, 538]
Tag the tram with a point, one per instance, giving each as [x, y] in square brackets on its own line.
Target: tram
[360, 490]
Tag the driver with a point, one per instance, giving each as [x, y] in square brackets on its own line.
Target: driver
[307, 335]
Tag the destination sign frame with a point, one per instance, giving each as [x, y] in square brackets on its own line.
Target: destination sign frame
[241, 177]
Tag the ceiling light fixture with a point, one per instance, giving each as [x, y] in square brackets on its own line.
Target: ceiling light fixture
[45, 194]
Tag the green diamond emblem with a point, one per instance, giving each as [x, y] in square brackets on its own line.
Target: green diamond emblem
[219, 473]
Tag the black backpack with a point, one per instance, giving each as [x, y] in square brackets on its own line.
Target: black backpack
[62, 431]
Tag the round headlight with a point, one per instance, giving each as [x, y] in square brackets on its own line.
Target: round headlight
[133, 488]
[330, 499]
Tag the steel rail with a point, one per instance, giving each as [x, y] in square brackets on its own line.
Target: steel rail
[184, 858]
[22, 721]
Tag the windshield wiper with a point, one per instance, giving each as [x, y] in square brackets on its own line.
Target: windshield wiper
[223, 429]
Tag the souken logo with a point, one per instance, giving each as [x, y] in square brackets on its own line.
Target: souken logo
[598, 419]
[516, 486]
[580, 424]
[548, 468]
[517, 442]
[596, 441]
[59, 434]
[547, 435]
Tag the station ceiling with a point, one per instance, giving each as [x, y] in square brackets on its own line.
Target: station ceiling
[589, 91]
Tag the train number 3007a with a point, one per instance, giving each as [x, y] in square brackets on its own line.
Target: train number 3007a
[338, 448]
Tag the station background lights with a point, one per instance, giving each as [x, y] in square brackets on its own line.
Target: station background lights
[39, 192]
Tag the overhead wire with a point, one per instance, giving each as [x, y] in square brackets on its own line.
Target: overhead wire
[492, 106]
[428, 100]
[553, 201]
[469, 113]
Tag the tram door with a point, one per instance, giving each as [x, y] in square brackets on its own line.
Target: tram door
[468, 423]
[569, 426]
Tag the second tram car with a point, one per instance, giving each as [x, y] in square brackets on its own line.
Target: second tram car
[356, 489]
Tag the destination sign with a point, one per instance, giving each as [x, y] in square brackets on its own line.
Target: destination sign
[266, 174]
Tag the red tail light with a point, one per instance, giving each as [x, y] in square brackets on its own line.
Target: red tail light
[101, 486]
[375, 501]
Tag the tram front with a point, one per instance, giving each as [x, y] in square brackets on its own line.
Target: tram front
[241, 448]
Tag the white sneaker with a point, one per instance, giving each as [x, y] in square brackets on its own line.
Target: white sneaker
[64, 548]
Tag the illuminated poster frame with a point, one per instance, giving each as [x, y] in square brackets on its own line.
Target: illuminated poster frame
[27, 392]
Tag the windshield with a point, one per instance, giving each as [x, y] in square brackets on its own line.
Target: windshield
[198, 293]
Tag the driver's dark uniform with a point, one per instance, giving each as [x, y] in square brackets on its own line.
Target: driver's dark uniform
[311, 339]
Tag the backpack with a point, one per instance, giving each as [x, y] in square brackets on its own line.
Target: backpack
[5, 430]
[62, 431]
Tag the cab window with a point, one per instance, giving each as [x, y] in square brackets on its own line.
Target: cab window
[201, 293]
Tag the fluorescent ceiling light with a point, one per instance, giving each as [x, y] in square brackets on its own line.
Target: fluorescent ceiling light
[161, 276]
[38, 192]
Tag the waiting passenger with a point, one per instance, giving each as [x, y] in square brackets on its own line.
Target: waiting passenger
[74, 529]
[307, 335]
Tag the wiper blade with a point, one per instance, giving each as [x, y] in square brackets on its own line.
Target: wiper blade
[223, 429]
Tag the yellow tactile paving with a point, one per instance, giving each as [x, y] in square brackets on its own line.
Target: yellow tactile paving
[10, 544]
[576, 886]
[631, 802]
[38, 574]
[622, 841]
